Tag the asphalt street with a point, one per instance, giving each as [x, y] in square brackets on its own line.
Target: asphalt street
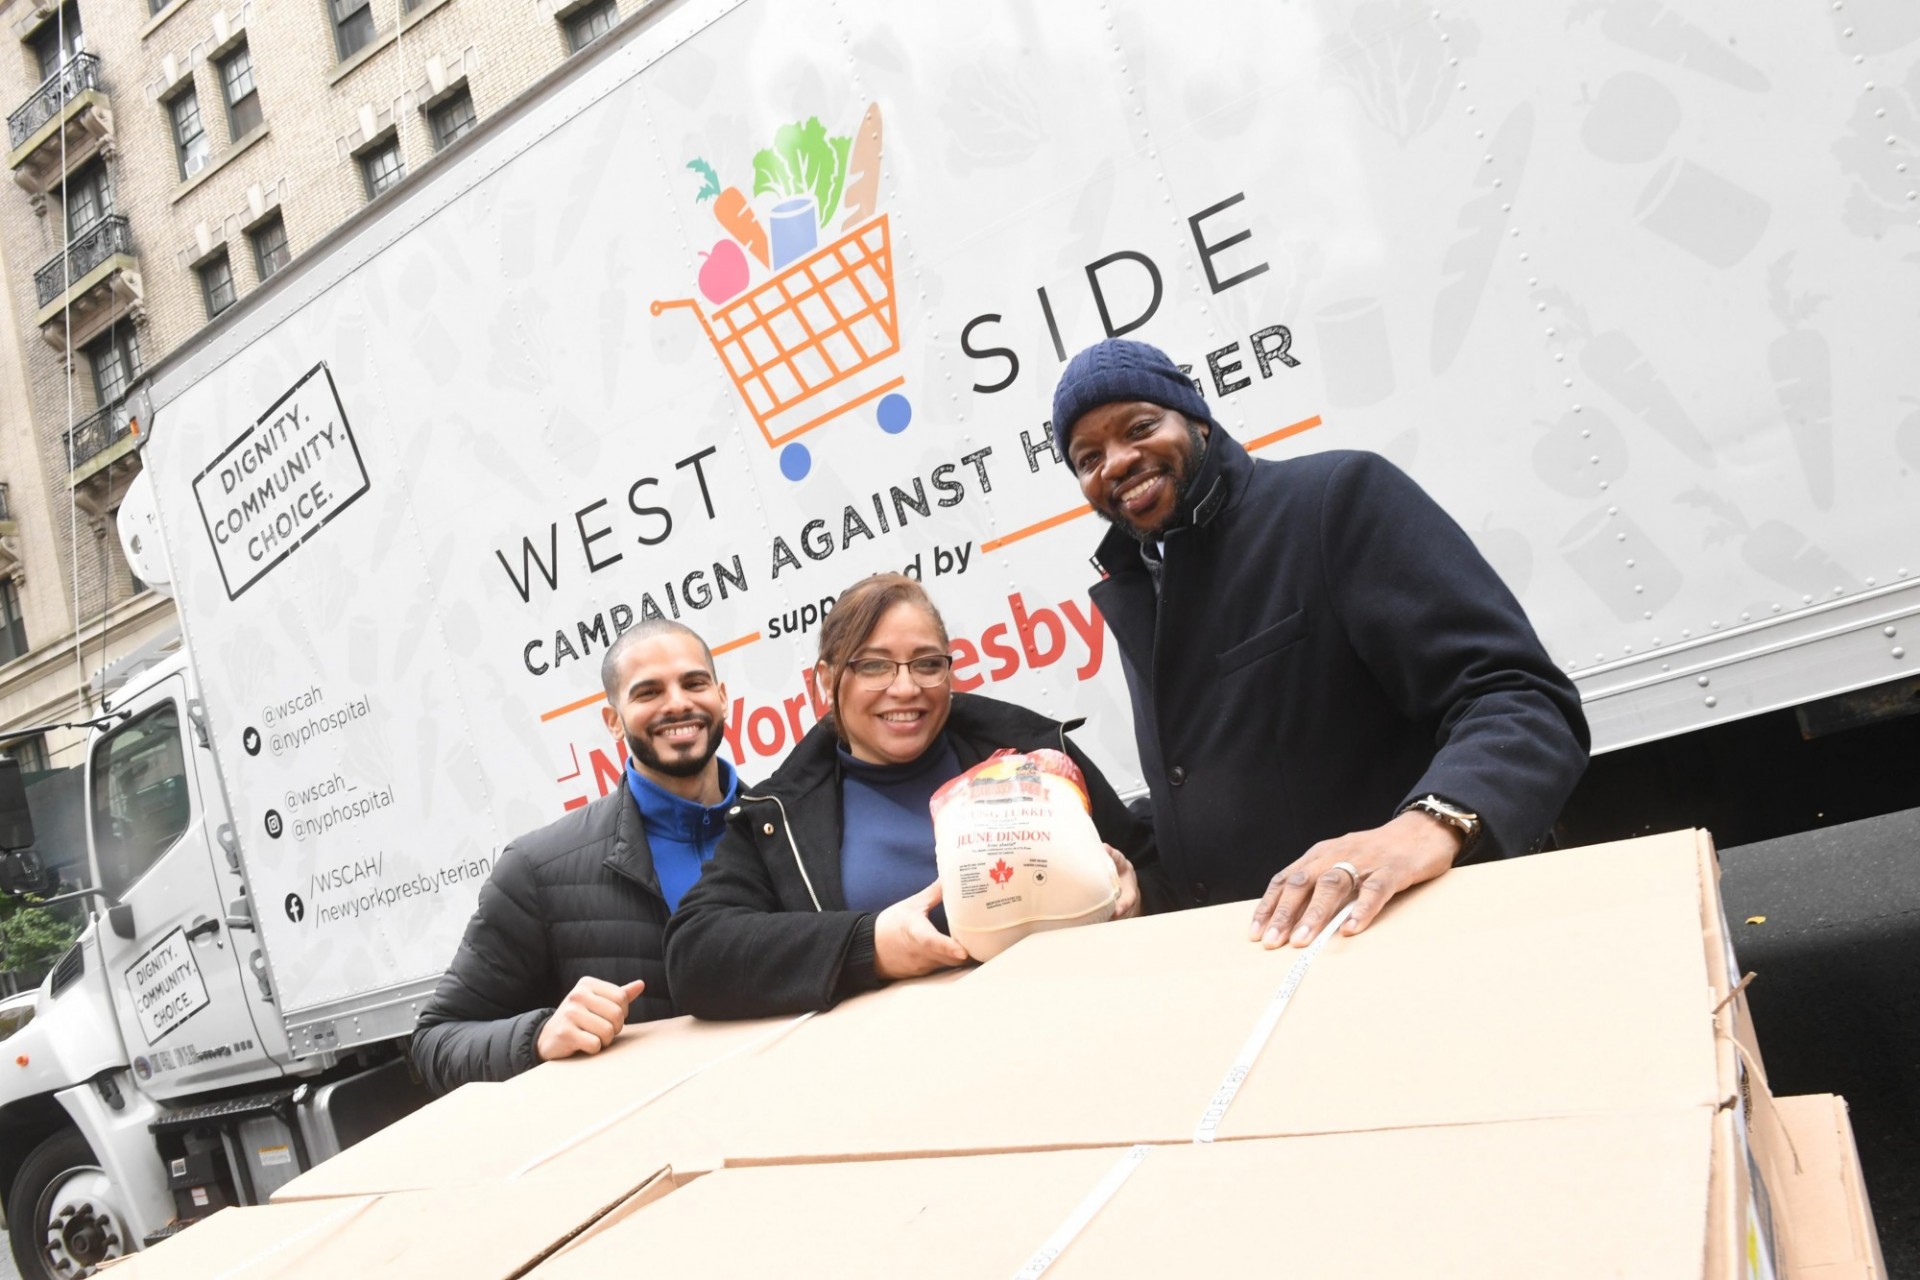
[1836, 1002]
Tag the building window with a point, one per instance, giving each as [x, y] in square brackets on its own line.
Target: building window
[189, 136]
[589, 22]
[155, 6]
[270, 252]
[352, 25]
[451, 119]
[58, 40]
[243, 99]
[216, 283]
[89, 198]
[30, 752]
[13, 644]
[115, 359]
[382, 167]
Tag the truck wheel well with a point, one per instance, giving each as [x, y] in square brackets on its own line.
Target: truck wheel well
[24, 1125]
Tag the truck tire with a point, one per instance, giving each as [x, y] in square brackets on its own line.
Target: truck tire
[64, 1216]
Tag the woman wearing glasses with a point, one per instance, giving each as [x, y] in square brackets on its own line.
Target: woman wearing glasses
[824, 884]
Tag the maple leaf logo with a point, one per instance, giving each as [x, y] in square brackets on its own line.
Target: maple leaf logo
[1000, 872]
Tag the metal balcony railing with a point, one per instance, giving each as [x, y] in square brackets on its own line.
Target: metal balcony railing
[80, 73]
[100, 240]
[94, 435]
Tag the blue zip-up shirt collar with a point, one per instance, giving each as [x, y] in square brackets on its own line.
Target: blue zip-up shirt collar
[670, 817]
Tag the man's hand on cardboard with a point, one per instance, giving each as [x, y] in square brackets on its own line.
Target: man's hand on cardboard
[588, 1019]
[905, 943]
[1406, 851]
[1128, 905]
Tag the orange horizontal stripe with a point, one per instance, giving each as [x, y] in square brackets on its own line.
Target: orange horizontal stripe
[587, 701]
[731, 645]
[995, 544]
[1305, 424]
[592, 698]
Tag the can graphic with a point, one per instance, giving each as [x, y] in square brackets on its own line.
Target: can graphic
[1703, 213]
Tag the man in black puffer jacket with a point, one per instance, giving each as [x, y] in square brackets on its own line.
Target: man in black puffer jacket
[568, 942]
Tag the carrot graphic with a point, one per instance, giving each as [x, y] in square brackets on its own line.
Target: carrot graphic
[731, 209]
[1802, 366]
[863, 171]
[1660, 30]
[1469, 260]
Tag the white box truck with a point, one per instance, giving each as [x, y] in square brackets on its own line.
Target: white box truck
[757, 299]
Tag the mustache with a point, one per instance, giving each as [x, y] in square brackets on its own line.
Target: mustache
[700, 718]
[1132, 478]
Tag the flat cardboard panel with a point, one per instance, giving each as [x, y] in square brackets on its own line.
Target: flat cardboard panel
[1824, 1221]
[1570, 1198]
[208, 1248]
[478, 1233]
[488, 1132]
[1570, 983]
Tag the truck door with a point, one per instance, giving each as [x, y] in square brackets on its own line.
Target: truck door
[179, 982]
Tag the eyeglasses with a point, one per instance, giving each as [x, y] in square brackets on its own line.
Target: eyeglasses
[929, 671]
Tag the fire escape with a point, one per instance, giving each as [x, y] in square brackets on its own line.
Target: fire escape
[93, 284]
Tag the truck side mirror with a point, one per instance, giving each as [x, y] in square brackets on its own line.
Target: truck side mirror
[120, 918]
[16, 820]
[21, 872]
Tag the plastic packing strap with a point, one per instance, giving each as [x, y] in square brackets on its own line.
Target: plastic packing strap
[592, 1131]
[1082, 1214]
[1209, 1126]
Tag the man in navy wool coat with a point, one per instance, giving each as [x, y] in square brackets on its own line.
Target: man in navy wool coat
[1334, 695]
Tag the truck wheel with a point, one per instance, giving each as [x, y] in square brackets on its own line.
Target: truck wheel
[64, 1215]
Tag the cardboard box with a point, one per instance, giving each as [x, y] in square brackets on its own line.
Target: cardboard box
[1576, 983]
[1573, 1197]
[1529, 1068]
[495, 1132]
[491, 1232]
[616, 1115]
[1811, 1170]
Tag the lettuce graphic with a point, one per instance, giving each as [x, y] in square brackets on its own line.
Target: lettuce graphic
[804, 161]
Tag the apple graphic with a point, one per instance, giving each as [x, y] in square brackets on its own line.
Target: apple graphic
[1633, 119]
[1510, 554]
[724, 273]
[1906, 438]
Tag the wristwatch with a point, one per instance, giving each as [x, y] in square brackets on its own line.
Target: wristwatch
[1452, 815]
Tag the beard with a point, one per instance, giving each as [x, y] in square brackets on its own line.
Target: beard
[641, 749]
[1184, 479]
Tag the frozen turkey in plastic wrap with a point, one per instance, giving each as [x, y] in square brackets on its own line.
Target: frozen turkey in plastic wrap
[1018, 852]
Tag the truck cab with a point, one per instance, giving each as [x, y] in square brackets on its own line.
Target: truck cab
[154, 1082]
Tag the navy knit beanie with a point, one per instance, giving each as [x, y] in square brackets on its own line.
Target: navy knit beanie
[1121, 369]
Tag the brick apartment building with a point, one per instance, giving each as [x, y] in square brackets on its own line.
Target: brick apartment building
[167, 157]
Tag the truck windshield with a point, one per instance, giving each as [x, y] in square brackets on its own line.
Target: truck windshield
[140, 800]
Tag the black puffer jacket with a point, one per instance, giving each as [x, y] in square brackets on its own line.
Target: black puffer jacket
[578, 898]
[767, 931]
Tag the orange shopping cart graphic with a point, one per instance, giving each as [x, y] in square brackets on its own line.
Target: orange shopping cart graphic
[802, 348]
[807, 344]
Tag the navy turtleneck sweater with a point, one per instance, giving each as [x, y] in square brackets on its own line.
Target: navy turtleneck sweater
[886, 841]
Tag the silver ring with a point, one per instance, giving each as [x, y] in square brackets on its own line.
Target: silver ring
[1350, 869]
